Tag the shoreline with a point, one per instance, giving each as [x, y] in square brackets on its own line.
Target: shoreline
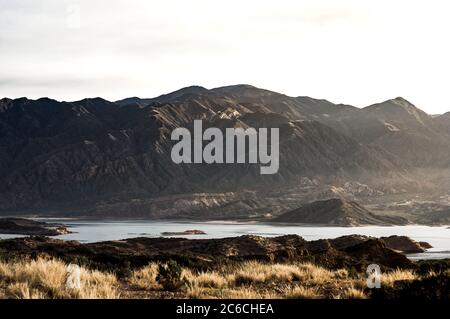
[101, 230]
[218, 222]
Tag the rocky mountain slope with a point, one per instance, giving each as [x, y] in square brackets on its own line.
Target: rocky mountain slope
[92, 154]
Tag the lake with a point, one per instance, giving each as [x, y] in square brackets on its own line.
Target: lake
[101, 230]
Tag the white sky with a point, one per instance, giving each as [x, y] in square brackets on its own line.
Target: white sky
[357, 52]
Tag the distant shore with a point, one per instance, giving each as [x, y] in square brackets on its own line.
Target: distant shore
[22, 226]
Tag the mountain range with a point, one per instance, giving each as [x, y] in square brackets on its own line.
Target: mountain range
[99, 158]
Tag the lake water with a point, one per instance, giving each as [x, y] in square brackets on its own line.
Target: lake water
[93, 231]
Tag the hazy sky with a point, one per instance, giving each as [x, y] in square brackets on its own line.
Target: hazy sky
[357, 52]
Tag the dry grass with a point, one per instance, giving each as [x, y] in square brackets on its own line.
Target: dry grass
[208, 279]
[255, 272]
[246, 293]
[44, 278]
[300, 292]
[22, 290]
[196, 292]
[388, 279]
[303, 281]
[353, 293]
[145, 278]
[256, 280]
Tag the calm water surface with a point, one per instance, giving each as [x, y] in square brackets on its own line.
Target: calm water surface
[92, 231]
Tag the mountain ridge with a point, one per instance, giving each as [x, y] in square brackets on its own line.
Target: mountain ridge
[234, 87]
[82, 154]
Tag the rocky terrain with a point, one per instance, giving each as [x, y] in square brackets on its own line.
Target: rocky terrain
[352, 251]
[21, 226]
[337, 212]
[405, 244]
[240, 267]
[96, 158]
[186, 232]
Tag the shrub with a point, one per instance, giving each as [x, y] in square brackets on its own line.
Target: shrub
[169, 276]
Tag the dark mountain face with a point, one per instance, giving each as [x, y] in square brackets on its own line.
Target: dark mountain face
[75, 155]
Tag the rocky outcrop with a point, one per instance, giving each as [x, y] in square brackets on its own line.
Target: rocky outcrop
[338, 212]
[405, 244]
[402, 244]
[349, 251]
[181, 233]
[21, 226]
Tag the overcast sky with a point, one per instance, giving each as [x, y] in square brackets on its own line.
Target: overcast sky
[357, 52]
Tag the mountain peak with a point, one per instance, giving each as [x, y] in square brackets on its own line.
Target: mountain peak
[5, 104]
[405, 104]
[400, 101]
[398, 109]
[93, 100]
[237, 87]
[46, 100]
[163, 98]
[193, 89]
[244, 90]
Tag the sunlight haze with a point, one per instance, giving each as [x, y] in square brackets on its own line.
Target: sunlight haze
[353, 52]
